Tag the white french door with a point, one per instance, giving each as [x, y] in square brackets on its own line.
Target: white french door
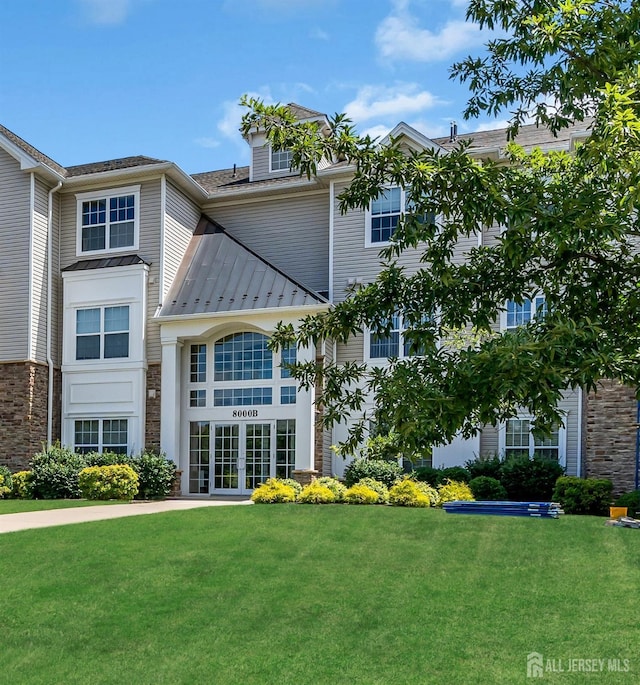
[242, 455]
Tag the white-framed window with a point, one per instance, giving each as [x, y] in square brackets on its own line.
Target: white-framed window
[519, 314]
[101, 435]
[240, 370]
[102, 333]
[384, 213]
[108, 221]
[517, 439]
[280, 160]
[394, 344]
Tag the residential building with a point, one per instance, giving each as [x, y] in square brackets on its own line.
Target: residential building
[137, 304]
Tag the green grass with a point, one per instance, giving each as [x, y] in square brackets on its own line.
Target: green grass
[311, 595]
[18, 506]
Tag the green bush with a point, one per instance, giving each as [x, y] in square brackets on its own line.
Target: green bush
[488, 465]
[485, 488]
[361, 494]
[22, 486]
[106, 458]
[273, 491]
[530, 480]
[6, 481]
[454, 491]
[408, 493]
[314, 493]
[583, 495]
[376, 486]
[383, 448]
[156, 474]
[55, 473]
[336, 487]
[114, 481]
[427, 474]
[457, 473]
[386, 472]
[631, 500]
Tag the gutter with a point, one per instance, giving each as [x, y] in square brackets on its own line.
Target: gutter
[50, 311]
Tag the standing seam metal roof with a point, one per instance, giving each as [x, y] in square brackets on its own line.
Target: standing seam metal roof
[220, 274]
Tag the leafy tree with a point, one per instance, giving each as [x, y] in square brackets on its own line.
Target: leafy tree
[568, 220]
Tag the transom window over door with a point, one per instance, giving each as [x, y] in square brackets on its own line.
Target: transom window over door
[108, 221]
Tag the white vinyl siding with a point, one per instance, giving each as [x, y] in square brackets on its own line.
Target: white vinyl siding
[39, 275]
[292, 233]
[262, 168]
[14, 259]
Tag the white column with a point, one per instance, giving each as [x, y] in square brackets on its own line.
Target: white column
[305, 418]
[170, 400]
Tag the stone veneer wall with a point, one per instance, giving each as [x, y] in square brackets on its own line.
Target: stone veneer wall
[23, 411]
[610, 435]
[152, 426]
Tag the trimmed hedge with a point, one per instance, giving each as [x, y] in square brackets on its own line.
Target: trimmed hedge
[386, 472]
[114, 481]
[631, 500]
[583, 495]
[485, 488]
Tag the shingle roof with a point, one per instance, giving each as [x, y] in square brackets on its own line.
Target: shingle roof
[528, 136]
[220, 274]
[105, 262]
[32, 151]
[301, 112]
[113, 165]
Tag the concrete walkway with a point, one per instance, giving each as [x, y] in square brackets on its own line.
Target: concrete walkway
[10, 523]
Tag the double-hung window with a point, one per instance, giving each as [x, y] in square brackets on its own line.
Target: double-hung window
[519, 440]
[281, 160]
[108, 221]
[101, 435]
[102, 333]
[395, 343]
[384, 215]
[519, 314]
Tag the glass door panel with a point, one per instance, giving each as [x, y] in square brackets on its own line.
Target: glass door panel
[226, 457]
[257, 454]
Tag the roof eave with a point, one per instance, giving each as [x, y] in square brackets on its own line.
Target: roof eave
[27, 162]
[303, 309]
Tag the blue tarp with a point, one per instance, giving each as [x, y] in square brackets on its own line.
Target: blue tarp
[529, 509]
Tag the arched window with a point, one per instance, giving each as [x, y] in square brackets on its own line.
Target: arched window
[242, 357]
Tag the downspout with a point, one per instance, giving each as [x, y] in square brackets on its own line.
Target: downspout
[50, 311]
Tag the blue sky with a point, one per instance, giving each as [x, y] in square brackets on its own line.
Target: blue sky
[89, 80]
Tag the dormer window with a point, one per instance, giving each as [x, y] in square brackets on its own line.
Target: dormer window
[108, 220]
[281, 160]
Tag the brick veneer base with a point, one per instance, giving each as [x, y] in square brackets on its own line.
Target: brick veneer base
[152, 423]
[23, 411]
[610, 440]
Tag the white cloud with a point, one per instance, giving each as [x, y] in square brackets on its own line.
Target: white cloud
[378, 131]
[384, 102]
[107, 12]
[399, 36]
[318, 34]
[207, 142]
[491, 125]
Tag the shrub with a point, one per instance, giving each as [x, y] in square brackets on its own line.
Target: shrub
[22, 487]
[386, 472]
[454, 491]
[427, 474]
[429, 491]
[530, 479]
[55, 473]
[383, 448]
[156, 474]
[407, 493]
[314, 493]
[488, 465]
[457, 473]
[273, 491]
[114, 481]
[631, 500]
[583, 495]
[336, 487]
[106, 458]
[297, 488]
[5, 481]
[361, 494]
[487, 488]
[376, 486]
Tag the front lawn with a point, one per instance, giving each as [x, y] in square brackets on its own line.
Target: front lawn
[318, 594]
[19, 506]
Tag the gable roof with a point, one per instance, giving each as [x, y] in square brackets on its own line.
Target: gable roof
[113, 165]
[32, 152]
[220, 274]
[300, 112]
